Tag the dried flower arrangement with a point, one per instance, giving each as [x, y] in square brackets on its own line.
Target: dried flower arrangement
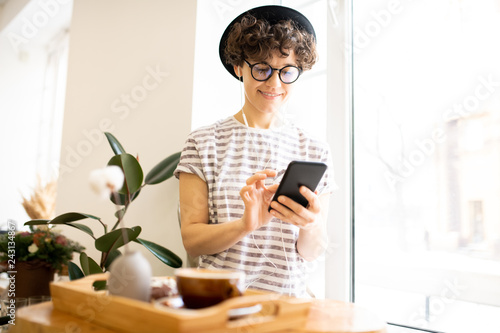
[42, 203]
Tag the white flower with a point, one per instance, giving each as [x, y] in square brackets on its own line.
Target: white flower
[106, 181]
[32, 248]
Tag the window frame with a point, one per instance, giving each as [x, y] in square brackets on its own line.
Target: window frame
[339, 259]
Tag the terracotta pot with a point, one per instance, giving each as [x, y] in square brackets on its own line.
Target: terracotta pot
[33, 278]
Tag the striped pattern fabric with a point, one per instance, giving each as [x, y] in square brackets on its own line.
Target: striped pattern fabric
[225, 155]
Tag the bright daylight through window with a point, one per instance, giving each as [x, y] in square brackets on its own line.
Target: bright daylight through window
[427, 161]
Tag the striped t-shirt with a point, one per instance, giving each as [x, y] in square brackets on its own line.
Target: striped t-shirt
[225, 155]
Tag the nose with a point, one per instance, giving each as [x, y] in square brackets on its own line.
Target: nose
[274, 80]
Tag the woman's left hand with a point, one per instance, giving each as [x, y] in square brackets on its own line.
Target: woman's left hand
[294, 213]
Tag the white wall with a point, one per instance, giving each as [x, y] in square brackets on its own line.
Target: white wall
[115, 46]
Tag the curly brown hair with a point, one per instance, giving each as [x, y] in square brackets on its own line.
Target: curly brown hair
[257, 39]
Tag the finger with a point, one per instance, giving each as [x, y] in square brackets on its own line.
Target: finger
[280, 211]
[245, 192]
[270, 172]
[272, 188]
[286, 215]
[311, 197]
[294, 220]
[258, 176]
[291, 205]
[306, 192]
[296, 212]
[284, 206]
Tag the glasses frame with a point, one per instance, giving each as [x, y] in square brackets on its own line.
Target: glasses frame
[272, 71]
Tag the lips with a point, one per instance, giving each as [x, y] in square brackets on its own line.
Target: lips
[271, 95]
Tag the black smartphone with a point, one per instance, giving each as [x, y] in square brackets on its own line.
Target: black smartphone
[297, 174]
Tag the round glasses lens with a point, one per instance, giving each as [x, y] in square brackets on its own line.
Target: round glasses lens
[289, 74]
[261, 71]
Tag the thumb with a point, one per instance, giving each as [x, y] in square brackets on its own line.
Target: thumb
[273, 188]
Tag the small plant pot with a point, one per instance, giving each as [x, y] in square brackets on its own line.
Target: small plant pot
[33, 278]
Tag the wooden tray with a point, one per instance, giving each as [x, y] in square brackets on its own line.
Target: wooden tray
[77, 298]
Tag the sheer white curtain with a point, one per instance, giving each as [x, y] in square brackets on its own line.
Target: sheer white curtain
[52, 110]
[31, 120]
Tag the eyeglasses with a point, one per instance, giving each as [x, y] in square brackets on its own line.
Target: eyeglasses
[262, 72]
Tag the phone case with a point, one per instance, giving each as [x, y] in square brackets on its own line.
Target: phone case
[297, 174]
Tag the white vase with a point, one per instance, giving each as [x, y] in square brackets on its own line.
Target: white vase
[130, 276]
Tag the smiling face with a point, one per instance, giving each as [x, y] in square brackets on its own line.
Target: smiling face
[264, 99]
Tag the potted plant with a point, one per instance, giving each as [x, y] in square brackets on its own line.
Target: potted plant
[116, 236]
[35, 256]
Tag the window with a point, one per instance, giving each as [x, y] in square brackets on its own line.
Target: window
[426, 159]
[32, 83]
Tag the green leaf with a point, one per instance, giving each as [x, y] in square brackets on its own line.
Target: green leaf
[111, 257]
[114, 239]
[115, 144]
[70, 217]
[99, 285]
[122, 200]
[74, 271]
[89, 266]
[132, 171]
[37, 222]
[82, 227]
[163, 170]
[165, 255]
[119, 213]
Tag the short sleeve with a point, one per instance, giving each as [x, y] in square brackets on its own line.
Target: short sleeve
[190, 161]
[327, 183]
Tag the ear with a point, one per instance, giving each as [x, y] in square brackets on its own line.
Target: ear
[238, 70]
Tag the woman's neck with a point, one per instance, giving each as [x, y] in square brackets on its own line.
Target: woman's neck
[250, 119]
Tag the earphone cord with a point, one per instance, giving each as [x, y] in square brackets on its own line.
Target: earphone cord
[270, 261]
[281, 222]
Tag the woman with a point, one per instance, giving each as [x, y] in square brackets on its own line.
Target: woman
[230, 170]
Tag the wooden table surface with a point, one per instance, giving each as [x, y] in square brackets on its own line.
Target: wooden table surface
[324, 316]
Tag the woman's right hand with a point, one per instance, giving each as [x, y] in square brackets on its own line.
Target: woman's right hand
[257, 197]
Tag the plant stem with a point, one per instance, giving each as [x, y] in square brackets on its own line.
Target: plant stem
[104, 258]
[121, 218]
[104, 226]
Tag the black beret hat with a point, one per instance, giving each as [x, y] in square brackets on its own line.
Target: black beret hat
[271, 14]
